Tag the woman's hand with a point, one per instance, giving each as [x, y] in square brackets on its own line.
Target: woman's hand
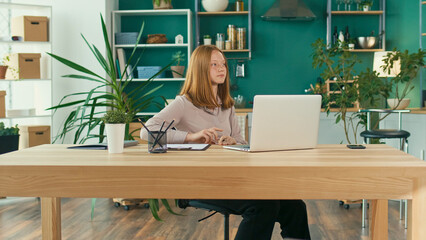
[227, 140]
[204, 136]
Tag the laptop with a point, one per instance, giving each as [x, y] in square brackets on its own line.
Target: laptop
[283, 122]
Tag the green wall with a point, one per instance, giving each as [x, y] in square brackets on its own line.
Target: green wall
[281, 61]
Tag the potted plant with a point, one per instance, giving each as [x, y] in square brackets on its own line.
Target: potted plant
[162, 4]
[366, 5]
[351, 43]
[178, 70]
[3, 68]
[9, 138]
[366, 87]
[87, 113]
[115, 124]
[6, 67]
[113, 92]
[410, 65]
[207, 40]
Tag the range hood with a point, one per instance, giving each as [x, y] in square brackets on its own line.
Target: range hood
[289, 10]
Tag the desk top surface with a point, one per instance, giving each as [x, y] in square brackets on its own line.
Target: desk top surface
[376, 155]
[326, 172]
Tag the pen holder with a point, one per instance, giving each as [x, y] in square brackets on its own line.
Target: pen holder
[157, 142]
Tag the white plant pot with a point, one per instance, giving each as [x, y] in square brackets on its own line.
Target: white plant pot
[351, 46]
[366, 8]
[115, 137]
[215, 5]
[207, 41]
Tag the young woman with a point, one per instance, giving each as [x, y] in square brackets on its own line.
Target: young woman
[204, 113]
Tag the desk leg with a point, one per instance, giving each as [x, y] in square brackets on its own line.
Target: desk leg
[417, 208]
[51, 218]
[379, 220]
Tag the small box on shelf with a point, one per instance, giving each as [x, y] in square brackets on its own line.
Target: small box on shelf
[126, 37]
[30, 28]
[23, 66]
[149, 71]
[33, 136]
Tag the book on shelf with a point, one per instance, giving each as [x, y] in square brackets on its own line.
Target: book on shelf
[121, 56]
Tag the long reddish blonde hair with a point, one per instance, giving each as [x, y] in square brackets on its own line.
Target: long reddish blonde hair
[198, 85]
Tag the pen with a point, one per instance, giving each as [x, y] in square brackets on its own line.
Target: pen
[150, 133]
[162, 134]
[157, 137]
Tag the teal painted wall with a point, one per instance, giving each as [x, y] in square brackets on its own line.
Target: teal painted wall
[281, 61]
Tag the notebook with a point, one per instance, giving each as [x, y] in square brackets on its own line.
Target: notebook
[103, 146]
[283, 122]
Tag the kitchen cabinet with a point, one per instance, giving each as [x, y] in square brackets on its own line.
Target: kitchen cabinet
[415, 124]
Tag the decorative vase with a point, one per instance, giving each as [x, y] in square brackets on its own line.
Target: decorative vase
[178, 71]
[163, 4]
[115, 137]
[3, 70]
[215, 5]
[392, 102]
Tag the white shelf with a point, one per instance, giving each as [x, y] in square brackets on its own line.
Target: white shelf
[165, 12]
[162, 45]
[159, 79]
[23, 6]
[23, 42]
[24, 80]
[31, 116]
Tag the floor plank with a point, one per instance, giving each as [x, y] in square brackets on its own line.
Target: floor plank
[20, 219]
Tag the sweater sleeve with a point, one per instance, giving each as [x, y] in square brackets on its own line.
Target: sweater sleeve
[174, 110]
[235, 128]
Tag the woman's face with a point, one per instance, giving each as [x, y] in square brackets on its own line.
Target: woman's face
[217, 68]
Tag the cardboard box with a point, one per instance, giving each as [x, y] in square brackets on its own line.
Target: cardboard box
[2, 104]
[30, 28]
[33, 135]
[23, 66]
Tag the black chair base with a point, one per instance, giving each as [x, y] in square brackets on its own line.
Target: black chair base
[209, 207]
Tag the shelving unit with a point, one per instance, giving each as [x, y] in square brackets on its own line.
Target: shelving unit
[382, 20]
[421, 37]
[27, 93]
[331, 92]
[199, 14]
[117, 26]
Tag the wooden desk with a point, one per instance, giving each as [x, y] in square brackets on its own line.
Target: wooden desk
[328, 172]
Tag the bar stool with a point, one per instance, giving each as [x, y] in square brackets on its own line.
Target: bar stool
[386, 134]
[182, 203]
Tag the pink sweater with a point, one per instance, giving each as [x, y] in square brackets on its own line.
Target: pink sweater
[191, 119]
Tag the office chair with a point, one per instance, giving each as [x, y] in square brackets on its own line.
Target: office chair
[209, 207]
[386, 134]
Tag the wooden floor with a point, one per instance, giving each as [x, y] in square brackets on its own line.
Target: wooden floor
[20, 219]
